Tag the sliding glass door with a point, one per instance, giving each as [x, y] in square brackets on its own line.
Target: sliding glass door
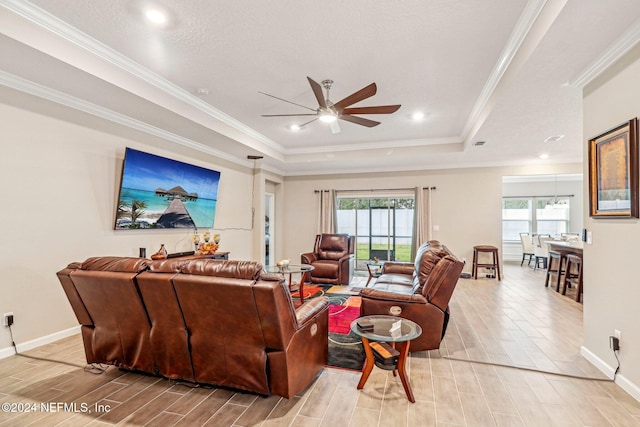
[383, 226]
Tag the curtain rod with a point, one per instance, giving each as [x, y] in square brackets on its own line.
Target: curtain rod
[538, 197]
[377, 189]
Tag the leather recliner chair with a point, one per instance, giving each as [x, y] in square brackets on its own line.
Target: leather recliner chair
[332, 259]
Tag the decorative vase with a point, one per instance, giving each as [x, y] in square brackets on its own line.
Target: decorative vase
[161, 254]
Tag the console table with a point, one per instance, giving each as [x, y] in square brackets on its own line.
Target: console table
[216, 255]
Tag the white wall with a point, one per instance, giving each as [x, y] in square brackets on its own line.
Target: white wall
[59, 194]
[611, 284]
[467, 205]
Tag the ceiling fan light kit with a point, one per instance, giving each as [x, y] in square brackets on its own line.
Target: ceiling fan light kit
[328, 112]
[327, 117]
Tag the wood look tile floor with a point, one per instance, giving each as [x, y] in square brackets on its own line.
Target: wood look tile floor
[514, 322]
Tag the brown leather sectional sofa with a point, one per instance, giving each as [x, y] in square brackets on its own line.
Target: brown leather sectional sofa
[201, 320]
[418, 291]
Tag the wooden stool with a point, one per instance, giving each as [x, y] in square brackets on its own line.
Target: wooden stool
[573, 275]
[495, 265]
[556, 267]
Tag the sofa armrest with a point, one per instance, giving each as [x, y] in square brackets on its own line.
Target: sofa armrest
[394, 267]
[308, 258]
[376, 294]
[345, 264]
[346, 258]
[310, 309]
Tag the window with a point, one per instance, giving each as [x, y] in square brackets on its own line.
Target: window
[517, 218]
[383, 226]
[550, 216]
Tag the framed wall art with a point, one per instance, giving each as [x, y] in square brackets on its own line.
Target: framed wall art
[613, 172]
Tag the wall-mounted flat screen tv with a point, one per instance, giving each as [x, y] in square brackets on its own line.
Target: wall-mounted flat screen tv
[157, 192]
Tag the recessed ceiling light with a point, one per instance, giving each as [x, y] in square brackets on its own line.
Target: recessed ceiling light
[544, 156]
[294, 128]
[554, 138]
[417, 115]
[156, 16]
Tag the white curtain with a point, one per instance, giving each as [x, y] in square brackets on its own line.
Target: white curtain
[327, 214]
[421, 218]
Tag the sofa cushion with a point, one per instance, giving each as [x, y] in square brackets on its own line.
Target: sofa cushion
[246, 270]
[394, 279]
[442, 281]
[427, 257]
[333, 246]
[397, 283]
[325, 269]
[116, 264]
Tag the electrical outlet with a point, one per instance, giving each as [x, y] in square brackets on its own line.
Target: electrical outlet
[8, 319]
[617, 334]
[614, 343]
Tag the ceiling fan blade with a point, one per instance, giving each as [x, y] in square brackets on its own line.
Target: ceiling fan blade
[381, 109]
[290, 102]
[317, 91]
[358, 96]
[286, 115]
[359, 120]
[335, 127]
[306, 123]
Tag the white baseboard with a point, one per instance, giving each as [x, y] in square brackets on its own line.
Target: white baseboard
[609, 371]
[8, 351]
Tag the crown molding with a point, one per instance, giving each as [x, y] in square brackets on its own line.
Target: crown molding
[423, 167]
[616, 51]
[54, 25]
[380, 145]
[521, 30]
[26, 86]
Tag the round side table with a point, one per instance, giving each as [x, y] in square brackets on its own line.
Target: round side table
[387, 329]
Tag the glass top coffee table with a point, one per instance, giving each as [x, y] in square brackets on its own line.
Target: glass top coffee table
[387, 329]
[290, 269]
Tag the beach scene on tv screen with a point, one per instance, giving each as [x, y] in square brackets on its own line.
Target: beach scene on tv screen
[158, 192]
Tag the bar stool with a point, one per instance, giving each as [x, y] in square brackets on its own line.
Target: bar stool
[556, 266]
[495, 265]
[573, 275]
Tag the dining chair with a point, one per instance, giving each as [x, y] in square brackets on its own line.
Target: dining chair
[541, 252]
[527, 248]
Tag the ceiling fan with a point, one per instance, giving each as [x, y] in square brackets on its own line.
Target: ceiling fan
[330, 112]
